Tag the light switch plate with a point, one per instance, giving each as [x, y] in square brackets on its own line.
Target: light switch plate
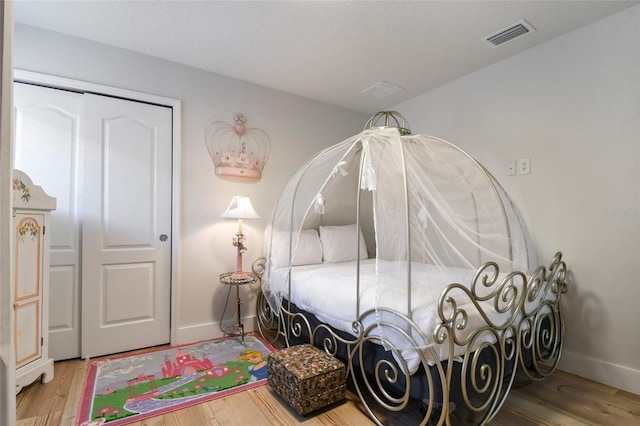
[511, 168]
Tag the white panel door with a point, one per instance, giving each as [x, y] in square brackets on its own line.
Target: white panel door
[126, 272]
[48, 125]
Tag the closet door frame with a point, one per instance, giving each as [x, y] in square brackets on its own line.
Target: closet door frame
[78, 85]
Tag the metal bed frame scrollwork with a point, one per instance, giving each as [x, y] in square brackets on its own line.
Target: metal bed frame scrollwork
[527, 339]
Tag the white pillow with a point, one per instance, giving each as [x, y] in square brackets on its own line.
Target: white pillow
[308, 251]
[338, 244]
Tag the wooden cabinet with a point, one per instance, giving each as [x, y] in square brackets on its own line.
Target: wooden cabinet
[31, 212]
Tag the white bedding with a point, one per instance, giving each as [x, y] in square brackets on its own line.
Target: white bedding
[328, 290]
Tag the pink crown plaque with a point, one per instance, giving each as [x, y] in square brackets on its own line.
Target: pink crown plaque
[238, 153]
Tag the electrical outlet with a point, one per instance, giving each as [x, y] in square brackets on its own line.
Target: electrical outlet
[524, 166]
[511, 168]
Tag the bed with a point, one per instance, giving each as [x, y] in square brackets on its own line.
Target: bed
[401, 255]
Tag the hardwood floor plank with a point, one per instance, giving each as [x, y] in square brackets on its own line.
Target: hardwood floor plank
[581, 382]
[343, 414]
[156, 421]
[236, 409]
[630, 399]
[509, 417]
[532, 408]
[40, 399]
[271, 406]
[48, 419]
[70, 412]
[595, 404]
[195, 415]
[221, 410]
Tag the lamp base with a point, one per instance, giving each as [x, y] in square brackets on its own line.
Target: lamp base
[239, 276]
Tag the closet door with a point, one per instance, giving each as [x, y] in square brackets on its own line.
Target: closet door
[126, 272]
[47, 148]
[108, 163]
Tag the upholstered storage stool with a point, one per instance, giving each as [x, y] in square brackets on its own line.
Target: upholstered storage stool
[306, 377]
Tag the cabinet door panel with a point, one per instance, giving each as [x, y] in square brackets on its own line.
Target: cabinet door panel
[27, 333]
[27, 255]
[28, 287]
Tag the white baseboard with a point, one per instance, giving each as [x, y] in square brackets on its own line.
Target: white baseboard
[610, 374]
[196, 333]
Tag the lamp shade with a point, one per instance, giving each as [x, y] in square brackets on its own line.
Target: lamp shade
[240, 208]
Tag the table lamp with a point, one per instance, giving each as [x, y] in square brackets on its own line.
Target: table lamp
[240, 208]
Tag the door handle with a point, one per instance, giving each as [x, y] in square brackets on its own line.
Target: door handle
[163, 237]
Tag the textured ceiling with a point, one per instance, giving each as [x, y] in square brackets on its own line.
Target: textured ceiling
[328, 50]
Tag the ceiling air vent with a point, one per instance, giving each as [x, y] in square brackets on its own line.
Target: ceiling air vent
[382, 90]
[514, 31]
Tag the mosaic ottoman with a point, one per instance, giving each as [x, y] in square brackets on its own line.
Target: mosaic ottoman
[306, 377]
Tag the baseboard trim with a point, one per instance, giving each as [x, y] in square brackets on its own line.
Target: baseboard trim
[196, 333]
[615, 375]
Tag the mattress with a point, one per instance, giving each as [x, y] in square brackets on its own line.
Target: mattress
[329, 291]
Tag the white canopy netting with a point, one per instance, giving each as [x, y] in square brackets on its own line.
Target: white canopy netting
[420, 203]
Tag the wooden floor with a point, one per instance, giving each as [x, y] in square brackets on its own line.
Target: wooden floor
[562, 399]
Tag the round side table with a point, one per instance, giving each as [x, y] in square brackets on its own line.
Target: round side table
[228, 278]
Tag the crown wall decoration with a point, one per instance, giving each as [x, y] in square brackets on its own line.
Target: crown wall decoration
[239, 153]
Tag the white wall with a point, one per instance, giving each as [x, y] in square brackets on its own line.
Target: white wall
[297, 128]
[7, 361]
[572, 106]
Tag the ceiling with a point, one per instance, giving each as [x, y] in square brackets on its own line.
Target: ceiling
[330, 51]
